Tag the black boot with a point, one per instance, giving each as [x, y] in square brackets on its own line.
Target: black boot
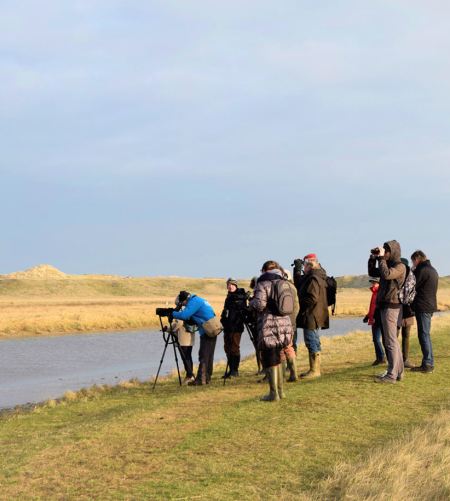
[235, 360]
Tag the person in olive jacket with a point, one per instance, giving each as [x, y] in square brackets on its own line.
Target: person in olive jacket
[313, 315]
[424, 305]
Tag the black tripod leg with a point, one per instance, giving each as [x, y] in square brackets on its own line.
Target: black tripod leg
[176, 345]
[161, 362]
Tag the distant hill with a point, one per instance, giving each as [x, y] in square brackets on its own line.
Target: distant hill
[45, 280]
[362, 281]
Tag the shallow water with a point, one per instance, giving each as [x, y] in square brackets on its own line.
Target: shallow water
[38, 369]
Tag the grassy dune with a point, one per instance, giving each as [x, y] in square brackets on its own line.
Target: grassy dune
[41, 308]
[340, 437]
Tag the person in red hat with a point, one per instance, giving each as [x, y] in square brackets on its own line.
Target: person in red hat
[314, 315]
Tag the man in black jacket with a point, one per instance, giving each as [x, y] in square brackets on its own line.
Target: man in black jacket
[424, 305]
[233, 326]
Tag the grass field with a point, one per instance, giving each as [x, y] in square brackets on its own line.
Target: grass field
[26, 317]
[56, 303]
[340, 437]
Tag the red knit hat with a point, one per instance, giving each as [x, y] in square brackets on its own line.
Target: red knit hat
[310, 256]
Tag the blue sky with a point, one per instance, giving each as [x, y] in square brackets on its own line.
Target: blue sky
[199, 138]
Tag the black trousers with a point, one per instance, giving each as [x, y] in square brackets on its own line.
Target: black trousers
[206, 357]
[187, 360]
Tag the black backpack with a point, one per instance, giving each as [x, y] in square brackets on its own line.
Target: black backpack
[281, 300]
[331, 293]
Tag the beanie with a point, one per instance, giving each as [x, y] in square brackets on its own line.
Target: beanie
[232, 281]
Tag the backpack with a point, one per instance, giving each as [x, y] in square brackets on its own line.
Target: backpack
[331, 293]
[407, 292]
[281, 299]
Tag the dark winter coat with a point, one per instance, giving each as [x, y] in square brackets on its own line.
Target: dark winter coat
[392, 274]
[273, 331]
[232, 316]
[427, 280]
[312, 296]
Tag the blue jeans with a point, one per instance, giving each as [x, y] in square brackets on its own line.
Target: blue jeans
[423, 331]
[312, 341]
[376, 336]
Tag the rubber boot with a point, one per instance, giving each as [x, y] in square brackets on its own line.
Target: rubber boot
[272, 376]
[263, 379]
[303, 374]
[280, 382]
[283, 372]
[315, 366]
[235, 359]
[292, 369]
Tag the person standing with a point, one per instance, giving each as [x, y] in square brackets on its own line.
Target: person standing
[274, 331]
[289, 353]
[313, 315]
[424, 305]
[376, 328]
[407, 321]
[200, 311]
[392, 274]
[233, 326]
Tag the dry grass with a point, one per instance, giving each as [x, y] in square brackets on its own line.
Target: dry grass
[43, 315]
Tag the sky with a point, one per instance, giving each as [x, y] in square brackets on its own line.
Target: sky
[201, 139]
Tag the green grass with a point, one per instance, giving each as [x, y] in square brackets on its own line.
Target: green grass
[215, 442]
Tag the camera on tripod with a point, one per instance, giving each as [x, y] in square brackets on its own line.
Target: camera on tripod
[165, 312]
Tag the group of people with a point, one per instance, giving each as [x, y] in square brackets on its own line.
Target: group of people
[276, 334]
[389, 316]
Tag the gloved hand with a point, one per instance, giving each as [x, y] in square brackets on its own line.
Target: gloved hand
[366, 319]
[164, 312]
[298, 265]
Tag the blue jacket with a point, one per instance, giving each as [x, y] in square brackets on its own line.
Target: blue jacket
[197, 309]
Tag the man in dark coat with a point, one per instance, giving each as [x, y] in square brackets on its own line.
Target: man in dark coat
[233, 326]
[313, 315]
[392, 273]
[424, 305]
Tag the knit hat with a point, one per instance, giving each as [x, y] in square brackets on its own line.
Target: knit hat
[404, 261]
[376, 280]
[183, 295]
[310, 256]
[232, 281]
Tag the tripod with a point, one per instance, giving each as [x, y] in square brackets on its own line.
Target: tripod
[170, 338]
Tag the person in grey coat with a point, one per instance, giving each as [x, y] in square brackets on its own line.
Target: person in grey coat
[392, 273]
[274, 332]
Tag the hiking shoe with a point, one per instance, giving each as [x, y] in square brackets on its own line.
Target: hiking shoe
[385, 380]
[196, 382]
[382, 374]
[234, 374]
[379, 361]
[408, 364]
[425, 369]
[188, 379]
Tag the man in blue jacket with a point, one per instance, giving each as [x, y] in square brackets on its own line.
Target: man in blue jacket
[199, 310]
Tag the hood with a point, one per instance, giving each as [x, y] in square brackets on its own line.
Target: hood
[271, 275]
[318, 272]
[396, 251]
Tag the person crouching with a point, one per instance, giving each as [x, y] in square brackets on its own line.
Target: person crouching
[274, 332]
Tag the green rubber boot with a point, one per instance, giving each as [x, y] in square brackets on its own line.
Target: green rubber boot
[315, 367]
[272, 376]
[280, 382]
[292, 369]
[303, 374]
